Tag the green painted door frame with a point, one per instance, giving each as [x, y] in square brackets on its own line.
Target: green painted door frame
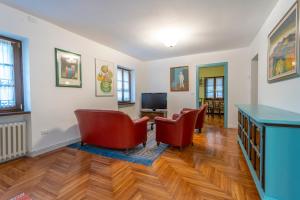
[225, 65]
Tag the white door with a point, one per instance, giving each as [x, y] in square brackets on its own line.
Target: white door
[254, 80]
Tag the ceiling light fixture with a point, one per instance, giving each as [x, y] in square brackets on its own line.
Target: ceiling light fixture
[169, 37]
[170, 42]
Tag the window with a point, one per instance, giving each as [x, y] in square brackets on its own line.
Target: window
[214, 88]
[11, 89]
[210, 88]
[124, 85]
[219, 87]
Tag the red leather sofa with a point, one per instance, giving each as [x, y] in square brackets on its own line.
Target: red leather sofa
[200, 118]
[111, 129]
[177, 131]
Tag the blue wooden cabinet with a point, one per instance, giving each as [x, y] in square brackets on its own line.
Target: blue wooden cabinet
[270, 141]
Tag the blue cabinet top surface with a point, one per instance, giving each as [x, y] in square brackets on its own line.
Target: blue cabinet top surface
[269, 115]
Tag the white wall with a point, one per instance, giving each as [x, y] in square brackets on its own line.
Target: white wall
[283, 94]
[156, 76]
[52, 107]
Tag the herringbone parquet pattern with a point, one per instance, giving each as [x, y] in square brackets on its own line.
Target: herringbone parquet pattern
[212, 169]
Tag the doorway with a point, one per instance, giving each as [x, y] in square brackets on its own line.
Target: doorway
[212, 89]
[254, 80]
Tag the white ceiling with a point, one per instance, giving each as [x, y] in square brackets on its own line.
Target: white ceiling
[130, 26]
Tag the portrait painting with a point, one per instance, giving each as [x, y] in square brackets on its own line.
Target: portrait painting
[68, 68]
[179, 78]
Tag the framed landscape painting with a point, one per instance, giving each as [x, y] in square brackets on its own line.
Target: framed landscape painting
[179, 79]
[68, 68]
[283, 48]
[104, 78]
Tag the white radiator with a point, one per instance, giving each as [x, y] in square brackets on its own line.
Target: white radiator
[12, 141]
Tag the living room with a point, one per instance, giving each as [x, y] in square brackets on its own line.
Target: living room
[125, 53]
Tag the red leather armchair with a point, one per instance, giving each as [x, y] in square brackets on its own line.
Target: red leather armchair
[177, 131]
[111, 129]
[200, 118]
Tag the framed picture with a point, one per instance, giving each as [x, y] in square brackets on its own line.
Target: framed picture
[68, 69]
[283, 48]
[104, 76]
[179, 78]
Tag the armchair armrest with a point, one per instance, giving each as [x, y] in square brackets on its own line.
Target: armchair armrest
[185, 110]
[140, 128]
[141, 120]
[164, 120]
[175, 116]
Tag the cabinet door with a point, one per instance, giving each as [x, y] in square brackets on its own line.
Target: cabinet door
[257, 137]
[257, 166]
[246, 124]
[240, 132]
[253, 156]
[252, 133]
[257, 150]
[240, 117]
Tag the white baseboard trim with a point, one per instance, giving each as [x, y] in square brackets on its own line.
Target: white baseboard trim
[52, 147]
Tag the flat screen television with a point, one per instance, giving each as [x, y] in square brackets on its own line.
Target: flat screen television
[154, 101]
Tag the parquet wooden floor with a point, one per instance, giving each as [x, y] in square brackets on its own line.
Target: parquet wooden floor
[212, 169]
[215, 120]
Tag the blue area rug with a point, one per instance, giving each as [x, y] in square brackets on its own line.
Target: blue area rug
[139, 154]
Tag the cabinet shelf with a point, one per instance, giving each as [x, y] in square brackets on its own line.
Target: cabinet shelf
[255, 148]
[250, 136]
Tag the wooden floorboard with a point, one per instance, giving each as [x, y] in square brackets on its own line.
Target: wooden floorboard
[212, 169]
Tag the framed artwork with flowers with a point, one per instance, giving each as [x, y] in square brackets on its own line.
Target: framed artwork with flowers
[104, 72]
